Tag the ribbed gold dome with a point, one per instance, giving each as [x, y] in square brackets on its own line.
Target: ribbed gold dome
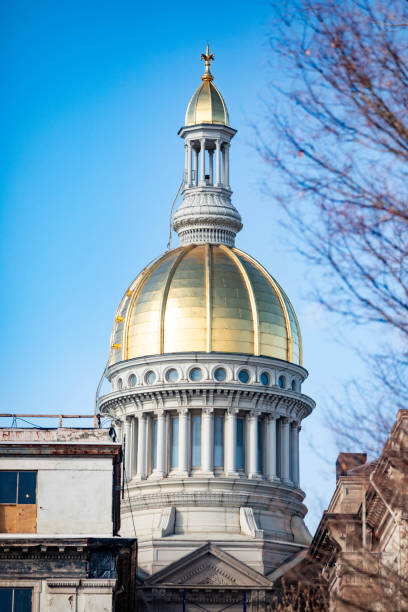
[207, 106]
[205, 298]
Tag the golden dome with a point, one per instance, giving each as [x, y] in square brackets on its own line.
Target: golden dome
[207, 104]
[209, 298]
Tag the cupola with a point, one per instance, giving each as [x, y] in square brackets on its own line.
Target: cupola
[207, 214]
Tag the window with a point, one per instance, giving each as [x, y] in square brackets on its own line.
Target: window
[15, 599]
[282, 382]
[132, 380]
[220, 374]
[150, 377]
[120, 384]
[264, 378]
[240, 444]
[174, 442]
[243, 376]
[154, 444]
[218, 441]
[172, 375]
[293, 385]
[18, 502]
[196, 374]
[196, 441]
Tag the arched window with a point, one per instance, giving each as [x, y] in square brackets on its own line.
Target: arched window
[282, 382]
[264, 378]
[220, 374]
[196, 374]
[119, 384]
[150, 377]
[243, 376]
[132, 380]
[172, 375]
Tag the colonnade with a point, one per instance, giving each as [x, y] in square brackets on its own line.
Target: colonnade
[253, 445]
[200, 174]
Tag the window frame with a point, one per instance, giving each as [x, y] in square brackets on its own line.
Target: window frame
[16, 505]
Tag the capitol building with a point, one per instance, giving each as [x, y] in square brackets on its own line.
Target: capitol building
[206, 397]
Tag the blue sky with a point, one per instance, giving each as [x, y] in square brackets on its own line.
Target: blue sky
[93, 96]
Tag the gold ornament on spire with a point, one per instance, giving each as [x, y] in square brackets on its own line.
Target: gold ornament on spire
[207, 57]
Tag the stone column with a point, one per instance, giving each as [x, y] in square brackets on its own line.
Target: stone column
[183, 442]
[231, 443]
[271, 448]
[211, 166]
[207, 442]
[285, 449]
[161, 444]
[195, 182]
[128, 448]
[226, 165]
[202, 162]
[133, 435]
[141, 447]
[294, 448]
[218, 163]
[253, 446]
[188, 169]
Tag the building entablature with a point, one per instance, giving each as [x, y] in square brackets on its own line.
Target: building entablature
[266, 404]
[204, 130]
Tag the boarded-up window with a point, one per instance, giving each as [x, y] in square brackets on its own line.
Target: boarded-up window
[18, 502]
[16, 600]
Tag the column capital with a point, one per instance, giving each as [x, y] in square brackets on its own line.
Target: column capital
[285, 420]
[159, 412]
[182, 411]
[273, 417]
[254, 412]
[232, 411]
[207, 410]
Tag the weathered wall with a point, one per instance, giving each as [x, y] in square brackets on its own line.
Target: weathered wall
[74, 494]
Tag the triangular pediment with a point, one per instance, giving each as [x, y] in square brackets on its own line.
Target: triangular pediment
[208, 566]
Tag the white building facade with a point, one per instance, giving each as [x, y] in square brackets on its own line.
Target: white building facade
[59, 521]
[206, 376]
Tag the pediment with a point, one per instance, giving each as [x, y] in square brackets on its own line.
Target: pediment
[208, 566]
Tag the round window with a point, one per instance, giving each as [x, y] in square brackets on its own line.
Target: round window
[132, 380]
[172, 375]
[220, 374]
[264, 378]
[282, 382]
[196, 374]
[120, 384]
[243, 376]
[150, 377]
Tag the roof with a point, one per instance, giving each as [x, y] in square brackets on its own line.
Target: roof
[209, 298]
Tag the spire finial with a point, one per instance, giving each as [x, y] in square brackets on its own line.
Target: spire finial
[207, 57]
